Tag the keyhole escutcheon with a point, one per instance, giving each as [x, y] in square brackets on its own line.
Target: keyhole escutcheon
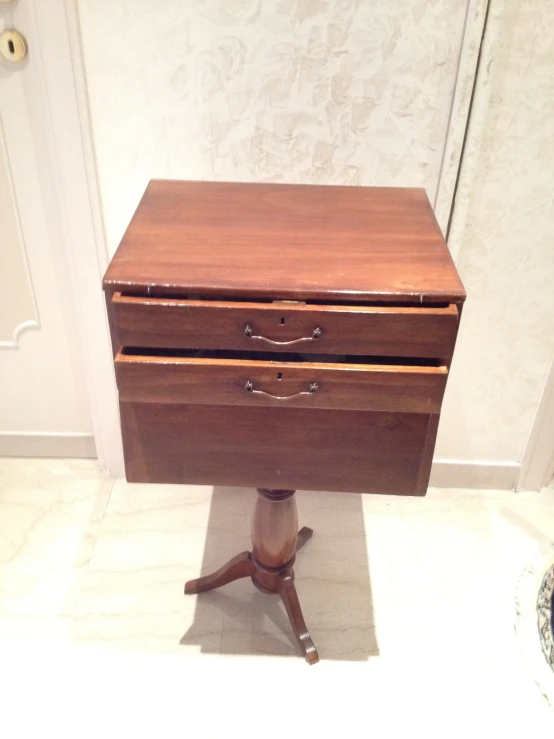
[13, 46]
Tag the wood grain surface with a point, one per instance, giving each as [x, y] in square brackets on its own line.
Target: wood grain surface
[223, 381]
[379, 330]
[309, 449]
[285, 241]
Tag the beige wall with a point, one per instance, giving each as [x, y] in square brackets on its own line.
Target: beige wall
[314, 91]
[503, 240]
[341, 91]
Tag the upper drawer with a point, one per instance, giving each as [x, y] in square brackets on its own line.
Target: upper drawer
[313, 329]
[360, 387]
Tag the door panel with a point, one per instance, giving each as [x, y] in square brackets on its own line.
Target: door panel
[43, 403]
[17, 302]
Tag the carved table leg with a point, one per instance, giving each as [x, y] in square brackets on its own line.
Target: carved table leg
[275, 541]
[292, 604]
[239, 566]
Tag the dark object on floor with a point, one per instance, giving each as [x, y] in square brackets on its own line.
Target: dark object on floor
[545, 609]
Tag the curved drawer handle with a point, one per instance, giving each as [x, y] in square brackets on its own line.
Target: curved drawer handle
[249, 387]
[316, 334]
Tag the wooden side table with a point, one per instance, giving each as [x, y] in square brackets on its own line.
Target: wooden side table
[281, 337]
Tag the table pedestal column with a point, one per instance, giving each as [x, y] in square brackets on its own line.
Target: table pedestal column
[275, 541]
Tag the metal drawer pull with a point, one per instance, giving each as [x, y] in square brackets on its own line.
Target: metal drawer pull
[249, 387]
[316, 334]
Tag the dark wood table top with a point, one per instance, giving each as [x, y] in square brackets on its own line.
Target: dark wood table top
[286, 241]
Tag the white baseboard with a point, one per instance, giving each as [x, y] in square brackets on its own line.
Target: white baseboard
[16, 444]
[454, 473]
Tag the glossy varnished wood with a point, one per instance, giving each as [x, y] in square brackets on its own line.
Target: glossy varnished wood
[396, 331]
[411, 389]
[239, 566]
[285, 241]
[274, 447]
[288, 594]
[274, 536]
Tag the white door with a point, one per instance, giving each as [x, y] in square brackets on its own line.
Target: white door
[43, 401]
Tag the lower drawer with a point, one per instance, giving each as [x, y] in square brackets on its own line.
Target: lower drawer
[313, 385]
[275, 447]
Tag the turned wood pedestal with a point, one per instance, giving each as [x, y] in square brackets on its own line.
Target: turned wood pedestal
[275, 541]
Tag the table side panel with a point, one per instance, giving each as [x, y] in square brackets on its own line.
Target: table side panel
[296, 448]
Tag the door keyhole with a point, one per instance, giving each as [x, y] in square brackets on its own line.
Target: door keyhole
[13, 46]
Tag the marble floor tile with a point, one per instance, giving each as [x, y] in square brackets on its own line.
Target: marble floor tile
[151, 541]
[410, 601]
[50, 514]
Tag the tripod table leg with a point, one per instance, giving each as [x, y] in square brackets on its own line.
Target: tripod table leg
[287, 591]
[239, 566]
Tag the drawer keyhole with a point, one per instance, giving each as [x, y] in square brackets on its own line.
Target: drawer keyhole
[282, 321]
[280, 376]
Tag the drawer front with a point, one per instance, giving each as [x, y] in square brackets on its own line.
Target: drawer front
[324, 329]
[288, 448]
[178, 380]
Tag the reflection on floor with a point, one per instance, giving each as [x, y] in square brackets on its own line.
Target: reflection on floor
[410, 603]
